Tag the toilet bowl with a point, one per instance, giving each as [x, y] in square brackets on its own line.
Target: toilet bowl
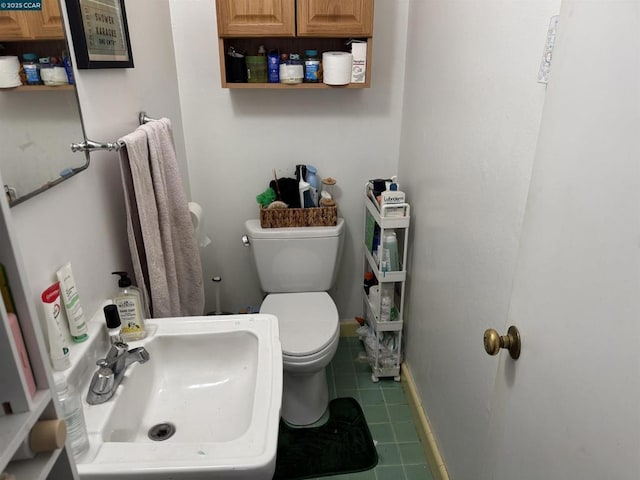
[309, 334]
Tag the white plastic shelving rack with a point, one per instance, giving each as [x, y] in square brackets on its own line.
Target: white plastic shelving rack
[19, 409]
[384, 340]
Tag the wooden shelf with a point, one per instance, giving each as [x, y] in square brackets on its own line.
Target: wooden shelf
[15, 427]
[285, 86]
[39, 88]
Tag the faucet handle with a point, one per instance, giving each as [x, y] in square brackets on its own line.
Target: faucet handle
[103, 379]
[116, 350]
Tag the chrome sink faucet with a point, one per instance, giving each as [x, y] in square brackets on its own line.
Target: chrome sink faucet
[106, 379]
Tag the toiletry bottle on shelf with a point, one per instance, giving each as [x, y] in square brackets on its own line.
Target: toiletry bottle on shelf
[314, 181]
[71, 300]
[114, 325]
[130, 308]
[390, 247]
[392, 196]
[71, 406]
[386, 302]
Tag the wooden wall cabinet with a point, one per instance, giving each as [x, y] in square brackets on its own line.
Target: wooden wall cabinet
[45, 24]
[293, 26]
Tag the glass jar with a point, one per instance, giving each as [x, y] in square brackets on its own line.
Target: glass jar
[312, 71]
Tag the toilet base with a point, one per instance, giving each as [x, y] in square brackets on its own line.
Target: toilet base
[305, 397]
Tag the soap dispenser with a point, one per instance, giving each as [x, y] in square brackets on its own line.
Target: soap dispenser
[130, 308]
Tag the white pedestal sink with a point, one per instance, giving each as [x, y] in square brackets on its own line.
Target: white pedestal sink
[217, 380]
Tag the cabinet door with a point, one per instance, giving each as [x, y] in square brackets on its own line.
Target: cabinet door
[335, 18]
[47, 23]
[13, 26]
[256, 18]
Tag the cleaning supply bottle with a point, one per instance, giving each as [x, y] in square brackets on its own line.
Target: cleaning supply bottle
[71, 406]
[130, 308]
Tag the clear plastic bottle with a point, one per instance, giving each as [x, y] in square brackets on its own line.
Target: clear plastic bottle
[386, 302]
[130, 308]
[71, 406]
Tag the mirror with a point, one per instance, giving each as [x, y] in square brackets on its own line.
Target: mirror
[37, 122]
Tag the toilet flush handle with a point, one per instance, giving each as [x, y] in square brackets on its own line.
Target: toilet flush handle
[245, 241]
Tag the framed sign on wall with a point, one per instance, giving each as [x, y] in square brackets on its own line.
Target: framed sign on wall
[100, 33]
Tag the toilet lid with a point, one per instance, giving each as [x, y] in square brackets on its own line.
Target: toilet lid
[308, 321]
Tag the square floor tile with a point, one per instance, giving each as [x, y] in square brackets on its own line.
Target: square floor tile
[376, 414]
[394, 396]
[399, 413]
[365, 382]
[371, 397]
[382, 432]
[366, 475]
[412, 453]
[348, 392]
[388, 454]
[417, 472]
[405, 432]
[344, 380]
[390, 473]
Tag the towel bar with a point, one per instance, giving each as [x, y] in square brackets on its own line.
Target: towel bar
[90, 145]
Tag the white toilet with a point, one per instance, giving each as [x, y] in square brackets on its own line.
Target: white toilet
[296, 266]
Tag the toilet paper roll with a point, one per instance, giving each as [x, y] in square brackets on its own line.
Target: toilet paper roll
[336, 68]
[9, 64]
[198, 224]
[9, 68]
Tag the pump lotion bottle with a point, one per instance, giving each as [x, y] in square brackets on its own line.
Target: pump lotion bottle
[129, 303]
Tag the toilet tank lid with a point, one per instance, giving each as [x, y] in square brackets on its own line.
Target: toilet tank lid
[254, 230]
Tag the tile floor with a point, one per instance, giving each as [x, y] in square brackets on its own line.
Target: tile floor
[400, 454]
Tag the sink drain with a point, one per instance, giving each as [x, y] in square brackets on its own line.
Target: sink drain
[162, 431]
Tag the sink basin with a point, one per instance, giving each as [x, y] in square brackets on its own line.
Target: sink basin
[206, 404]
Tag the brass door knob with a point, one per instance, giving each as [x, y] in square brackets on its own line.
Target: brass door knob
[493, 342]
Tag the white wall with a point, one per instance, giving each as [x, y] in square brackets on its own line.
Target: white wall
[472, 109]
[235, 138]
[82, 220]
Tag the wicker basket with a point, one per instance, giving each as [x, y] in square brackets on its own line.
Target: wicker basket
[298, 217]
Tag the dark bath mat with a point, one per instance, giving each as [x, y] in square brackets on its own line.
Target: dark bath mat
[342, 445]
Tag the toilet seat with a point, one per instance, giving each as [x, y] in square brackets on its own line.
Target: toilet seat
[308, 321]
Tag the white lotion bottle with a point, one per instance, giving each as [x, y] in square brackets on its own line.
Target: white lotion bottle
[69, 293]
[129, 303]
[391, 197]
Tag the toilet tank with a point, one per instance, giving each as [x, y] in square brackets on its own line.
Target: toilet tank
[296, 259]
